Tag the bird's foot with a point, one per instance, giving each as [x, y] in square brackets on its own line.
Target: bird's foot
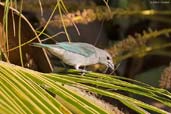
[83, 71]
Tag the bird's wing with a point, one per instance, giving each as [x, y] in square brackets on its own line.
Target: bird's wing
[80, 48]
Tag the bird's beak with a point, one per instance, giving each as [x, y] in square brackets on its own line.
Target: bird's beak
[111, 65]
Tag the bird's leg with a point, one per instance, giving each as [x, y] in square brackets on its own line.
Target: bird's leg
[77, 67]
[81, 70]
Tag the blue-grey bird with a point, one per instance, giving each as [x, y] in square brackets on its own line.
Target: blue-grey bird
[78, 54]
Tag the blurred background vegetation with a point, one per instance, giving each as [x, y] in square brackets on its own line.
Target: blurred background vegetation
[135, 32]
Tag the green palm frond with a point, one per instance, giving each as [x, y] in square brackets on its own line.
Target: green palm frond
[25, 91]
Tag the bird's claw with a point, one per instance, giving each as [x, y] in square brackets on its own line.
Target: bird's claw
[83, 71]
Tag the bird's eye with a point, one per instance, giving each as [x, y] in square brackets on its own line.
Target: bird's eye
[108, 58]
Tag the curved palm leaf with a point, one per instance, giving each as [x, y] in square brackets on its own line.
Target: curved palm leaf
[24, 91]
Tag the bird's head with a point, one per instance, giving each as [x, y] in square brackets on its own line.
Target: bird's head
[106, 59]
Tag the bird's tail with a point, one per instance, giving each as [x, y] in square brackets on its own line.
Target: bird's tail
[39, 45]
